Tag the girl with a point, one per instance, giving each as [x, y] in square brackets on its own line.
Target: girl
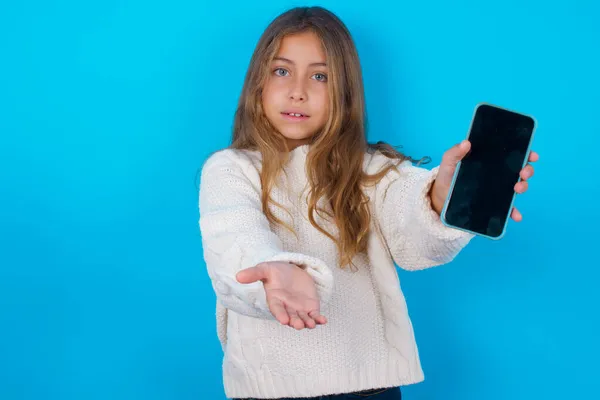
[302, 221]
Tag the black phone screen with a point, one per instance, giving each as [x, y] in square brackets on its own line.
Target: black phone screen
[483, 190]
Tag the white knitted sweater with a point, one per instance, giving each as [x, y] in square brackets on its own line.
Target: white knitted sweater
[368, 341]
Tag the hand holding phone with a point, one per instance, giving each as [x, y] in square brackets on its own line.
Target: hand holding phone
[487, 172]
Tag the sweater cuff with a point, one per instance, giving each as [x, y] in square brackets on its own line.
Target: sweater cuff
[428, 218]
[315, 267]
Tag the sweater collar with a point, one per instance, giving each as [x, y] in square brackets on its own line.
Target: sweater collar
[303, 150]
[297, 156]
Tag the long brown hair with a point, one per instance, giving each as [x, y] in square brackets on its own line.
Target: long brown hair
[335, 160]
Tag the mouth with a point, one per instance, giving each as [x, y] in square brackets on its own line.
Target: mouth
[295, 116]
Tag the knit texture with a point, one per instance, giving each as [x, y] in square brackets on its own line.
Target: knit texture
[369, 340]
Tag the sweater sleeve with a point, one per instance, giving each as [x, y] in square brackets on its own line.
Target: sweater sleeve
[413, 231]
[236, 235]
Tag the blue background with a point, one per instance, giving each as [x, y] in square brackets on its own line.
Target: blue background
[107, 110]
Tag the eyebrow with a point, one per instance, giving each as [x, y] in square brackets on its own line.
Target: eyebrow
[287, 60]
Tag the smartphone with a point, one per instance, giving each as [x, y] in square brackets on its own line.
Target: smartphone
[482, 192]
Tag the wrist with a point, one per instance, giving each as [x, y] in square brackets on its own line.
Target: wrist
[296, 265]
[283, 263]
[437, 202]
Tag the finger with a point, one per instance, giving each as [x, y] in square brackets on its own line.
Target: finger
[308, 321]
[456, 153]
[533, 156]
[279, 312]
[521, 187]
[319, 319]
[527, 172]
[252, 274]
[295, 321]
[516, 215]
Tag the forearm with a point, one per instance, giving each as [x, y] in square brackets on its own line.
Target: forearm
[410, 218]
[236, 235]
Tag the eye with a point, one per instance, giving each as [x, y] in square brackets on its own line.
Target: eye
[320, 77]
[280, 72]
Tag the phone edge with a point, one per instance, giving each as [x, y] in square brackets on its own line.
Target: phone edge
[525, 162]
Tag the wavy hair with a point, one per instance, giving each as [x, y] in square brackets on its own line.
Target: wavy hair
[335, 160]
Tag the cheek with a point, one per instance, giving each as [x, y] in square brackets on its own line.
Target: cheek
[265, 96]
[324, 102]
[270, 95]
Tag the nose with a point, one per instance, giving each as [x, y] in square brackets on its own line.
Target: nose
[298, 90]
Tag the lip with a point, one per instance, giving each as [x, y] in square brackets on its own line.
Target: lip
[287, 116]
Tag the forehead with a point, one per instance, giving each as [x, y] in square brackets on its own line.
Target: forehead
[302, 47]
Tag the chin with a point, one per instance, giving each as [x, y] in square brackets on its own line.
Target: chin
[296, 136]
[297, 139]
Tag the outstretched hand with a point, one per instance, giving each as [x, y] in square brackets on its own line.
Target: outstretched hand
[291, 293]
[450, 160]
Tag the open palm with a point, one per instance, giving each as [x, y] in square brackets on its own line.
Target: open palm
[290, 291]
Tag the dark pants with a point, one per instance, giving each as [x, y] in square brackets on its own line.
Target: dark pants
[371, 394]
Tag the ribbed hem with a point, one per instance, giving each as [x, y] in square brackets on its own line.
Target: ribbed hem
[264, 384]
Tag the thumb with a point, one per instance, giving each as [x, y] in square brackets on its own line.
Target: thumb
[456, 153]
[252, 274]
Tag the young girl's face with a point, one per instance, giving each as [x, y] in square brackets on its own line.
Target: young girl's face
[297, 84]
